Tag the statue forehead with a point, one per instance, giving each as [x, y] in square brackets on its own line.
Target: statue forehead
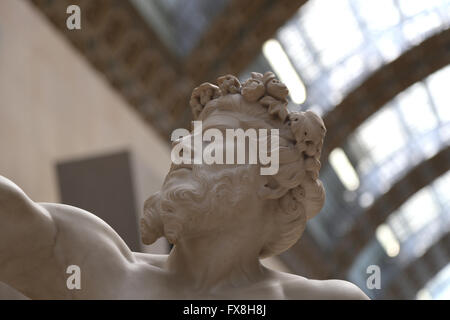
[221, 119]
[230, 111]
[234, 111]
[232, 103]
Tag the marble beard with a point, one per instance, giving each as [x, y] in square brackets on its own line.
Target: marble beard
[222, 219]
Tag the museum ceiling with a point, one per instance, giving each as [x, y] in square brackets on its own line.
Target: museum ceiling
[118, 40]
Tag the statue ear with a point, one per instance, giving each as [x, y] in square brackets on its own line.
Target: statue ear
[271, 189]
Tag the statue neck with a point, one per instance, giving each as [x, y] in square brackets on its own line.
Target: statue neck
[222, 259]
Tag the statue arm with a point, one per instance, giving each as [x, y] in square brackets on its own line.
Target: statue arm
[27, 238]
[39, 242]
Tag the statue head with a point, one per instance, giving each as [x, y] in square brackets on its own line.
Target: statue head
[202, 199]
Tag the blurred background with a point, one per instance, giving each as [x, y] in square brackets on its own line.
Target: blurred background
[86, 116]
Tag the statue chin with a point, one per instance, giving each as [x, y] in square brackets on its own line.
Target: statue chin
[221, 219]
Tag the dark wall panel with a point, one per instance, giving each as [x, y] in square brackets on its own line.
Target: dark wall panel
[103, 185]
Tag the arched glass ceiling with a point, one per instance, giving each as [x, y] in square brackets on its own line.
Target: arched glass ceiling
[437, 288]
[408, 233]
[411, 128]
[335, 44]
[414, 126]
[179, 23]
[420, 221]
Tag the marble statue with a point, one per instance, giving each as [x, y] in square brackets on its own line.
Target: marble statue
[221, 218]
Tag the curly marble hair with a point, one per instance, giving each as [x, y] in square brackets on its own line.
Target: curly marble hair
[261, 102]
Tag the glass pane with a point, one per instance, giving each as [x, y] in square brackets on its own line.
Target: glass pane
[372, 11]
[438, 84]
[416, 110]
[336, 44]
[420, 210]
[382, 134]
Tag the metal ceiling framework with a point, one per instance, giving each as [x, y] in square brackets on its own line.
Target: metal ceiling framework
[420, 271]
[365, 225]
[383, 85]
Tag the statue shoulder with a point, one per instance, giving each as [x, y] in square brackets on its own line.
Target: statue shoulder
[82, 232]
[296, 287]
[341, 290]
